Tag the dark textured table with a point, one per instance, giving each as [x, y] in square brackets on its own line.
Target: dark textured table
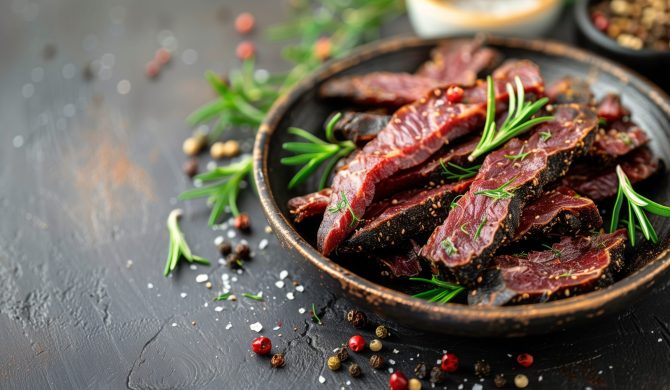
[90, 165]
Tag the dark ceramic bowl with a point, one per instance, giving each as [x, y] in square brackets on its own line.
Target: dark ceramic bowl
[651, 63]
[302, 108]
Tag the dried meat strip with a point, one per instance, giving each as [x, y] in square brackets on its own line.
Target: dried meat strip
[570, 90]
[572, 266]
[360, 127]
[310, 205]
[560, 211]
[481, 223]
[415, 133]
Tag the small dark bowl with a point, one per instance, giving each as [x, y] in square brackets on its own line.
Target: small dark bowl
[652, 63]
[301, 107]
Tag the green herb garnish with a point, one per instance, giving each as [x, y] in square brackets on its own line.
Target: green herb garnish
[178, 246]
[449, 247]
[442, 293]
[637, 205]
[316, 152]
[464, 228]
[545, 136]
[342, 204]
[315, 317]
[554, 251]
[519, 156]
[223, 297]
[454, 202]
[517, 122]
[225, 191]
[479, 228]
[458, 172]
[498, 193]
[254, 297]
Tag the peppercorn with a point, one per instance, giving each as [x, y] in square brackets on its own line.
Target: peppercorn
[357, 318]
[151, 69]
[437, 375]
[455, 94]
[356, 343]
[225, 248]
[525, 359]
[242, 223]
[190, 167]
[233, 261]
[376, 362]
[323, 48]
[521, 381]
[261, 345]
[414, 384]
[482, 368]
[231, 148]
[500, 381]
[355, 370]
[449, 362]
[277, 360]
[398, 381]
[334, 363]
[421, 371]
[216, 150]
[375, 345]
[245, 50]
[194, 144]
[382, 332]
[244, 23]
[342, 354]
[242, 251]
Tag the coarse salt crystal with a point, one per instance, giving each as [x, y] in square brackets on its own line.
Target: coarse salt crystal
[202, 278]
[322, 379]
[193, 267]
[392, 362]
[218, 240]
[174, 324]
[218, 308]
[150, 285]
[229, 326]
[206, 304]
[300, 288]
[263, 244]
[283, 274]
[268, 229]
[276, 328]
[477, 386]
[396, 351]
[390, 370]
[301, 310]
[279, 284]
[660, 339]
[256, 327]
[183, 295]
[539, 379]
[231, 234]
[290, 296]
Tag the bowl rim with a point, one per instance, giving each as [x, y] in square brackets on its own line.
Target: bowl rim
[599, 38]
[374, 293]
[473, 18]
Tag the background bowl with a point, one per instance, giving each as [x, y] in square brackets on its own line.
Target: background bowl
[440, 18]
[651, 63]
[302, 108]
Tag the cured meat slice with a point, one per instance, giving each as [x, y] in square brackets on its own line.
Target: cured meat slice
[403, 263]
[415, 132]
[403, 218]
[600, 184]
[617, 139]
[557, 212]
[572, 266]
[310, 205]
[455, 62]
[491, 208]
[570, 90]
[611, 109]
[360, 127]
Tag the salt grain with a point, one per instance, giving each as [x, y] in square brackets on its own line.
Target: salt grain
[660, 339]
[279, 284]
[202, 278]
[263, 244]
[390, 370]
[300, 288]
[150, 285]
[301, 310]
[268, 229]
[290, 296]
[229, 326]
[231, 234]
[276, 328]
[193, 267]
[174, 324]
[396, 351]
[256, 327]
[218, 240]
[322, 379]
[477, 386]
[183, 295]
[392, 362]
[218, 308]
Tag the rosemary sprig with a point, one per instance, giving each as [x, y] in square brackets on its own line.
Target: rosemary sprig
[225, 190]
[555, 252]
[442, 293]
[459, 172]
[315, 317]
[519, 156]
[341, 205]
[498, 193]
[454, 202]
[545, 136]
[316, 152]
[178, 246]
[637, 205]
[449, 246]
[223, 297]
[479, 228]
[254, 297]
[518, 118]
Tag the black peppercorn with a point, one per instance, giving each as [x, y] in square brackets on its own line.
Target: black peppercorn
[342, 354]
[500, 381]
[233, 261]
[190, 167]
[482, 368]
[242, 251]
[242, 222]
[355, 370]
[277, 360]
[421, 371]
[376, 362]
[225, 248]
[357, 318]
[437, 375]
